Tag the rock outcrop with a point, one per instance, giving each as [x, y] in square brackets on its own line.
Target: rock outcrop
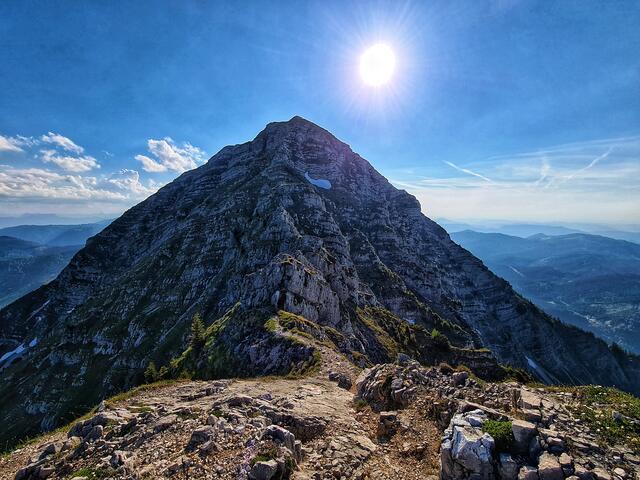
[560, 444]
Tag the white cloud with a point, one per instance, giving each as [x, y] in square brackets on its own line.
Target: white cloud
[150, 165]
[63, 142]
[68, 163]
[169, 156]
[10, 144]
[40, 184]
[57, 175]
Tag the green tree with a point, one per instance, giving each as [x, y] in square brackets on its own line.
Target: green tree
[197, 332]
[151, 373]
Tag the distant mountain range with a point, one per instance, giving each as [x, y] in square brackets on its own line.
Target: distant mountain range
[24, 266]
[527, 229]
[45, 219]
[32, 255]
[55, 235]
[590, 281]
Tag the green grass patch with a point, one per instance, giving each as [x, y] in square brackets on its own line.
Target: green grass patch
[120, 397]
[90, 473]
[595, 408]
[271, 325]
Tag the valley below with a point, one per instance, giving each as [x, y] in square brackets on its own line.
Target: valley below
[590, 281]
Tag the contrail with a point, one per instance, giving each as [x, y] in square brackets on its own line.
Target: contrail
[584, 169]
[468, 172]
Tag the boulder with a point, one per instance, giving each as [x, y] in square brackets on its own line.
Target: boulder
[529, 400]
[523, 432]
[51, 449]
[46, 472]
[285, 437]
[341, 379]
[620, 472]
[264, 470]
[163, 423]
[528, 473]
[459, 378]
[566, 462]
[387, 424]
[508, 467]
[601, 474]
[466, 452]
[556, 445]
[120, 458]
[200, 436]
[94, 434]
[549, 468]
[582, 473]
[239, 400]
[403, 359]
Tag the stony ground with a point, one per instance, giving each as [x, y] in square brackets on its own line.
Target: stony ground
[394, 421]
[214, 429]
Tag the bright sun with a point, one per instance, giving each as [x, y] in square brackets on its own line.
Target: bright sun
[377, 64]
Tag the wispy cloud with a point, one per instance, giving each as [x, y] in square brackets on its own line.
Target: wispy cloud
[63, 142]
[68, 163]
[63, 152]
[14, 144]
[169, 156]
[467, 171]
[594, 181]
[150, 165]
[545, 169]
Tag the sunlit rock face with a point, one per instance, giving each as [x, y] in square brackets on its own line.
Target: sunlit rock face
[249, 227]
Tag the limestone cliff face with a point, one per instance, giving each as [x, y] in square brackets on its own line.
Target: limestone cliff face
[293, 220]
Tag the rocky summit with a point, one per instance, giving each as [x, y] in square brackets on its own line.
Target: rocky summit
[283, 246]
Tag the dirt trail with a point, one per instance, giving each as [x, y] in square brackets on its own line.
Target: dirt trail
[337, 440]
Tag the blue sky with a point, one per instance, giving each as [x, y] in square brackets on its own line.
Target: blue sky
[515, 110]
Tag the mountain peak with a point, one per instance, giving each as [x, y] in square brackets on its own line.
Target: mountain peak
[294, 222]
[298, 128]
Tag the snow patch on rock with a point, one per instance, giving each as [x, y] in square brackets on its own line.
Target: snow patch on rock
[318, 182]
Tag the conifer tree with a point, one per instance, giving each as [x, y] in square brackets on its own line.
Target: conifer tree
[197, 332]
[151, 373]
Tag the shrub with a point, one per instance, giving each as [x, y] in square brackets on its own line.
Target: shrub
[359, 404]
[163, 373]
[439, 339]
[501, 433]
[446, 368]
[517, 374]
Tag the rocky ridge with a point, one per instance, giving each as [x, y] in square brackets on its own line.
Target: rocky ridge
[398, 421]
[295, 222]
